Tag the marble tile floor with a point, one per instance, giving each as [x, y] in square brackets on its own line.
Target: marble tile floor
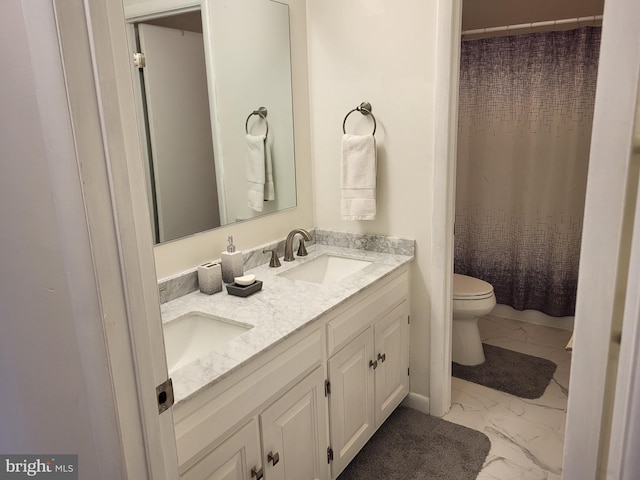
[526, 436]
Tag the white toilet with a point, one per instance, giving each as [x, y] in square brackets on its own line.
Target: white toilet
[472, 298]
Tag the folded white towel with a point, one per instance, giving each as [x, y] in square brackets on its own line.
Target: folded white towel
[358, 177]
[256, 171]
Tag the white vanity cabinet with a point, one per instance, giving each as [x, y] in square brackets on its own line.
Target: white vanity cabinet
[304, 408]
[368, 373]
[294, 432]
[270, 423]
[391, 341]
[351, 402]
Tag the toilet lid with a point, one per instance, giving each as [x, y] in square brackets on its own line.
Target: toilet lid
[469, 287]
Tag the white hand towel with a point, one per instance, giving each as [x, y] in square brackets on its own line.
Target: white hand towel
[358, 177]
[255, 169]
[269, 187]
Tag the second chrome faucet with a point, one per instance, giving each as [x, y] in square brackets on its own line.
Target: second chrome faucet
[288, 246]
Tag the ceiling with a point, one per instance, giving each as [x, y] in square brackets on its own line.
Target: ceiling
[495, 13]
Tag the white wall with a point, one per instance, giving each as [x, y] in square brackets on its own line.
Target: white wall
[383, 53]
[56, 386]
[175, 257]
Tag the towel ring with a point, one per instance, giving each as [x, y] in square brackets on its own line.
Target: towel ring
[365, 109]
[262, 113]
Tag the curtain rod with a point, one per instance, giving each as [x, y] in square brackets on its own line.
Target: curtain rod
[593, 20]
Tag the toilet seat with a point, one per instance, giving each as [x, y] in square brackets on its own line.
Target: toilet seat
[469, 288]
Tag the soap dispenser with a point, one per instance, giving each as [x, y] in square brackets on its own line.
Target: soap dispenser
[232, 262]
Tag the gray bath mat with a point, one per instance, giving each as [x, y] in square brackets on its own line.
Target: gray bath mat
[413, 446]
[522, 375]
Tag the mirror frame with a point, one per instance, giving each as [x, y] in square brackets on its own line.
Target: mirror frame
[154, 9]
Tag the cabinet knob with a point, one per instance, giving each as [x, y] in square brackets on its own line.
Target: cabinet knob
[382, 357]
[274, 458]
[373, 363]
[257, 473]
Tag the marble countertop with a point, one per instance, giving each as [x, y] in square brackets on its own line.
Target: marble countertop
[280, 309]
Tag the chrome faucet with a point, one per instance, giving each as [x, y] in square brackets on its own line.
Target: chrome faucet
[288, 246]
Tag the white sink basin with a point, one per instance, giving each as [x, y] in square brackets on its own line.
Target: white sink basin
[326, 269]
[194, 334]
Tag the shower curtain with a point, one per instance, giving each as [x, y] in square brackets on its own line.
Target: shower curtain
[525, 116]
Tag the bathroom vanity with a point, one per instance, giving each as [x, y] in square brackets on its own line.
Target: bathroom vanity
[321, 361]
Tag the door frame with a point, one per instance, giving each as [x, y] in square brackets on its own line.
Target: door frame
[612, 138]
[448, 34]
[609, 265]
[93, 47]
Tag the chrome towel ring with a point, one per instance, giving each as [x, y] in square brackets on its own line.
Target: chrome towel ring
[365, 109]
[262, 113]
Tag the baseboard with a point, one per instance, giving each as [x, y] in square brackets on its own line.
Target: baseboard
[417, 402]
[533, 316]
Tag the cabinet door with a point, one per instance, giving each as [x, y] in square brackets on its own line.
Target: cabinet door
[351, 406]
[294, 433]
[392, 354]
[232, 460]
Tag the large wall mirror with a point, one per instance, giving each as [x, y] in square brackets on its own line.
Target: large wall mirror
[215, 111]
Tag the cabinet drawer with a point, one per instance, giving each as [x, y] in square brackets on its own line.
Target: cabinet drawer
[223, 409]
[348, 323]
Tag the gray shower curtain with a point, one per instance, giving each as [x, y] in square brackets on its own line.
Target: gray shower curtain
[525, 116]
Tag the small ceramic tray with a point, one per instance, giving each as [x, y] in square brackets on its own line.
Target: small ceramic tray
[244, 290]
